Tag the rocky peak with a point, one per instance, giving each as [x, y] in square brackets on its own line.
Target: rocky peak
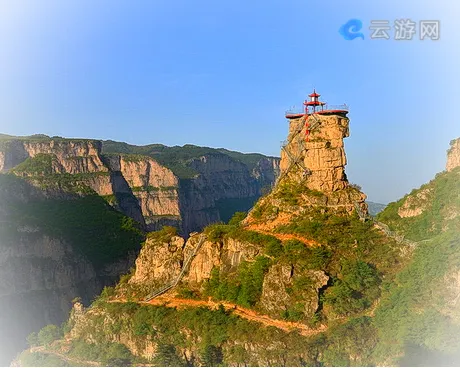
[453, 155]
[316, 142]
[313, 169]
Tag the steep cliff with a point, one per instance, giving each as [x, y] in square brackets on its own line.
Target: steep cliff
[60, 239]
[213, 183]
[306, 263]
[453, 155]
[314, 156]
[307, 278]
[46, 261]
[188, 187]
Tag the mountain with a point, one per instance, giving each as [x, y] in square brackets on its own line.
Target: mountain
[307, 278]
[375, 208]
[73, 217]
[295, 282]
[419, 318]
[187, 187]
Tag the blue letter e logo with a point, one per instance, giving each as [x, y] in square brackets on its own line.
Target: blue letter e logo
[350, 30]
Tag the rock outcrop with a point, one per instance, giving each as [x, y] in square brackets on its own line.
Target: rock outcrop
[453, 155]
[312, 181]
[161, 258]
[312, 174]
[415, 204]
[275, 300]
[159, 262]
[321, 151]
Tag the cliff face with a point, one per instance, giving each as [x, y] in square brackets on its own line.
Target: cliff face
[43, 271]
[312, 188]
[314, 156]
[453, 155]
[220, 180]
[156, 189]
[138, 185]
[321, 151]
[40, 273]
[73, 157]
[161, 259]
[40, 277]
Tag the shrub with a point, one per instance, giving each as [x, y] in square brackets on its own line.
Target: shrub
[216, 232]
[212, 356]
[48, 334]
[237, 218]
[306, 257]
[355, 186]
[343, 299]
[356, 290]
[117, 355]
[164, 235]
[244, 289]
[32, 339]
[167, 356]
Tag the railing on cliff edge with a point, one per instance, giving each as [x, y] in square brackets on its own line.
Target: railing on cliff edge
[326, 107]
[186, 264]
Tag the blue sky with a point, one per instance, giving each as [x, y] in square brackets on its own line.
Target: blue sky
[222, 73]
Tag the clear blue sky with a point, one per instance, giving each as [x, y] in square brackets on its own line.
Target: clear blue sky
[222, 73]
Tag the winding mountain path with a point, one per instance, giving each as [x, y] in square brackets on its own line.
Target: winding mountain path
[283, 237]
[71, 361]
[245, 313]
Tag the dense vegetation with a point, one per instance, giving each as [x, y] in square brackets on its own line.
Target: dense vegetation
[418, 316]
[41, 164]
[440, 200]
[244, 288]
[94, 228]
[352, 253]
[418, 319]
[215, 338]
[88, 223]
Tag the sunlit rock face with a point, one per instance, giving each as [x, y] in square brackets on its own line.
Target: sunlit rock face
[453, 155]
[139, 186]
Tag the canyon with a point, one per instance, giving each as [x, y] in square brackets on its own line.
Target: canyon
[73, 218]
[138, 185]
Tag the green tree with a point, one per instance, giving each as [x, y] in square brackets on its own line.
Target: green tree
[212, 356]
[117, 355]
[48, 334]
[32, 339]
[167, 356]
[237, 218]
